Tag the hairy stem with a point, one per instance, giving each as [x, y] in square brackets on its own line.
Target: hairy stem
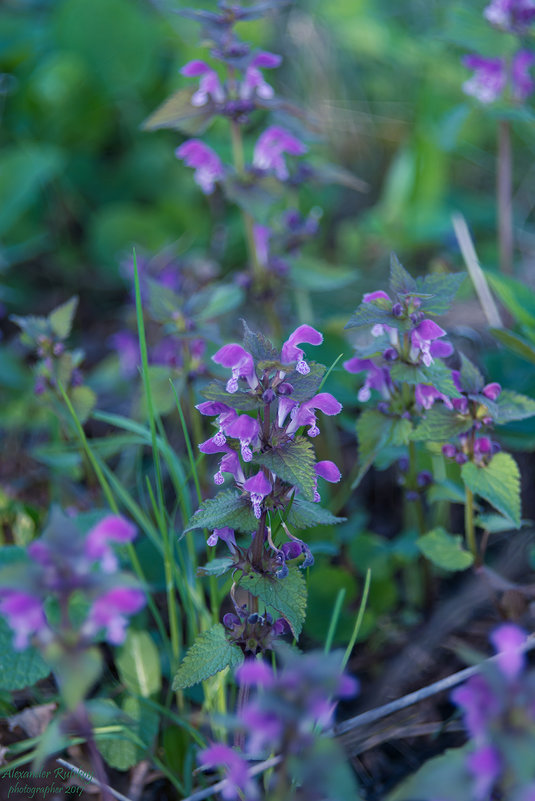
[469, 527]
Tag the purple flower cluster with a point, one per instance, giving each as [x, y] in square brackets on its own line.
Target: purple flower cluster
[495, 76]
[284, 716]
[499, 712]
[60, 563]
[243, 438]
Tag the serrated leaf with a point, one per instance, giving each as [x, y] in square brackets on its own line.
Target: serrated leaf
[498, 483]
[210, 653]
[19, 669]
[369, 314]
[400, 432]
[292, 462]
[445, 550]
[228, 508]
[288, 595]
[138, 663]
[61, 318]
[217, 567]
[178, 113]
[407, 373]
[306, 386]
[512, 406]
[305, 514]
[471, 379]
[31, 326]
[445, 491]
[443, 287]
[240, 400]
[439, 376]
[373, 433]
[495, 524]
[515, 343]
[401, 282]
[259, 346]
[440, 424]
[84, 400]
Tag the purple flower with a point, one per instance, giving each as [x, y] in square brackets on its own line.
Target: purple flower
[285, 405]
[479, 704]
[238, 784]
[492, 391]
[265, 727]
[425, 396]
[254, 80]
[255, 671]
[514, 16]
[422, 338]
[226, 534]
[110, 610]
[258, 486]
[262, 235]
[377, 378]
[291, 353]
[370, 297]
[127, 347]
[230, 463]
[270, 147]
[206, 163]
[489, 78]
[520, 77]
[305, 416]
[111, 529]
[327, 470]
[209, 85]
[241, 362]
[507, 640]
[24, 614]
[486, 765]
[225, 416]
[246, 429]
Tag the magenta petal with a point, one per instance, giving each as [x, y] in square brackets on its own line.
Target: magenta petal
[266, 60]
[254, 671]
[492, 391]
[231, 355]
[507, 639]
[356, 365]
[209, 446]
[212, 407]
[328, 470]
[194, 68]
[429, 330]
[258, 484]
[377, 295]
[325, 402]
[243, 427]
[304, 333]
[441, 349]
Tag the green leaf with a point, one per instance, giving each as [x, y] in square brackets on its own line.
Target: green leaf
[445, 550]
[443, 287]
[243, 401]
[228, 508]
[217, 567]
[215, 300]
[178, 113]
[76, 673]
[445, 491]
[513, 406]
[369, 314]
[61, 318]
[306, 386]
[374, 430]
[288, 595]
[123, 750]
[292, 462]
[498, 483]
[515, 343]
[472, 381]
[259, 346]
[318, 276]
[440, 424]
[401, 282]
[209, 654]
[493, 523]
[515, 296]
[84, 400]
[439, 376]
[305, 514]
[24, 172]
[446, 771]
[19, 669]
[138, 663]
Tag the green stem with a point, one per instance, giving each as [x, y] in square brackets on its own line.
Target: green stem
[504, 196]
[469, 527]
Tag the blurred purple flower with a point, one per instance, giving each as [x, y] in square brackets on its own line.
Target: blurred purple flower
[238, 784]
[270, 147]
[489, 78]
[205, 161]
[111, 529]
[110, 611]
[492, 391]
[425, 396]
[485, 763]
[514, 16]
[209, 85]
[479, 704]
[255, 671]
[507, 640]
[254, 80]
[422, 339]
[521, 79]
[127, 346]
[24, 614]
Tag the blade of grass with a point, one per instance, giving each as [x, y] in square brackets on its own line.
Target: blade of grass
[360, 615]
[335, 616]
[329, 371]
